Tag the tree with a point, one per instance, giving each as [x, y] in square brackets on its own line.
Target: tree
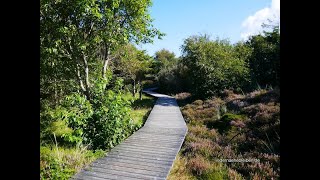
[132, 64]
[78, 39]
[83, 33]
[213, 65]
[265, 58]
[163, 59]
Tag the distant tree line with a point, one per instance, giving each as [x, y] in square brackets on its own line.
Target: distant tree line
[207, 67]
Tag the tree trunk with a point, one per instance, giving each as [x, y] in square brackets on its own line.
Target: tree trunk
[105, 62]
[55, 92]
[60, 92]
[80, 79]
[87, 81]
[83, 85]
[134, 88]
[140, 91]
[104, 70]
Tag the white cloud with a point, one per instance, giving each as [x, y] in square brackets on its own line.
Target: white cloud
[252, 25]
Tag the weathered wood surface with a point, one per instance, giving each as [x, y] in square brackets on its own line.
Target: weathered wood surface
[147, 154]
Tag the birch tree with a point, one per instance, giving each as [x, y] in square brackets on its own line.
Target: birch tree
[82, 32]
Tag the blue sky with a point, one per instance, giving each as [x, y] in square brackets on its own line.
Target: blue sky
[233, 19]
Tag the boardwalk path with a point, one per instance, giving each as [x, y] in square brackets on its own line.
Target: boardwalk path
[150, 152]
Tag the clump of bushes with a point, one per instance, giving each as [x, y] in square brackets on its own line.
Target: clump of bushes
[100, 123]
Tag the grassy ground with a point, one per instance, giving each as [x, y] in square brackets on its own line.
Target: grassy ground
[57, 162]
[141, 108]
[62, 162]
[233, 126]
[179, 170]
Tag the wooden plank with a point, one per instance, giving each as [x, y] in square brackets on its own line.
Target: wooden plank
[129, 162]
[109, 175]
[140, 150]
[119, 174]
[145, 145]
[134, 159]
[141, 169]
[144, 156]
[152, 149]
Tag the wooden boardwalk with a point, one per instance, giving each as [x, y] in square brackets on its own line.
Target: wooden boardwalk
[147, 154]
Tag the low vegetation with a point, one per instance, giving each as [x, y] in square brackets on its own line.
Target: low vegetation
[60, 159]
[232, 126]
[62, 162]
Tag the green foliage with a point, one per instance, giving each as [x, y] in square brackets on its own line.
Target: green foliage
[208, 67]
[174, 78]
[265, 58]
[110, 123]
[81, 100]
[163, 59]
[213, 66]
[78, 37]
[141, 110]
[171, 73]
[60, 128]
[102, 123]
[68, 120]
[215, 172]
[132, 65]
[51, 168]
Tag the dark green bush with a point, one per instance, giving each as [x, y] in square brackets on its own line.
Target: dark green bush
[265, 58]
[173, 79]
[213, 66]
[102, 122]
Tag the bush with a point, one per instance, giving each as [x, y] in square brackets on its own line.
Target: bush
[227, 121]
[102, 122]
[213, 66]
[205, 147]
[198, 165]
[203, 132]
[173, 79]
[111, 122]
[265, 58]
[216, 171]
[68, 120]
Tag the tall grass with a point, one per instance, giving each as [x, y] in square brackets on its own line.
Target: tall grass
[61, 162]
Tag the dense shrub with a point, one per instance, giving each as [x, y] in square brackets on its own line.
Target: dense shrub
[213, 66]
[173, 79]
[265, 58]
[67, 121]
[101, 122]
[110, 123]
